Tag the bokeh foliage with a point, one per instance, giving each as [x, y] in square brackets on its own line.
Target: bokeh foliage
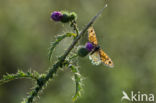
[126, 31]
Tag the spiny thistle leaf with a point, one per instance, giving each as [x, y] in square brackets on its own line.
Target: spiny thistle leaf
[59, 38]
[20, 74]
[78, 81]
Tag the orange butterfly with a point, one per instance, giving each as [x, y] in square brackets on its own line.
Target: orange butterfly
[97, 55]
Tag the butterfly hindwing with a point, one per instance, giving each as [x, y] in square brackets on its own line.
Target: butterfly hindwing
[92, 36]
[95, 58]
[105, 59]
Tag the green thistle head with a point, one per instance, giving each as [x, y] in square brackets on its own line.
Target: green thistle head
[82, 51]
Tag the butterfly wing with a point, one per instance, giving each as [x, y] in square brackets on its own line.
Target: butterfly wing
[92, 36]
[105, 59]
[98, 56]
[95, 58]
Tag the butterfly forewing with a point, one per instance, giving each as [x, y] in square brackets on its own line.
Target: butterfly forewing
[92, 36]
[105, 59]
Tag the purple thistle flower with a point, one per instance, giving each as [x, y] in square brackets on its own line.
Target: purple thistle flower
[89, 46]
[56, 16]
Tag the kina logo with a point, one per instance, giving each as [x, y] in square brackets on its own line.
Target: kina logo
[133, 97]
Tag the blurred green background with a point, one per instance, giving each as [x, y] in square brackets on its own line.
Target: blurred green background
[126, 31]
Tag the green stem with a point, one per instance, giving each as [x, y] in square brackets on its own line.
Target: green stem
[74, 25]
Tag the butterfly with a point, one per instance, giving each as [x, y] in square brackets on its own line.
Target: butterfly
[97, 55]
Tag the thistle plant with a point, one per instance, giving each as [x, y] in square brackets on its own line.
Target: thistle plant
[68, 59]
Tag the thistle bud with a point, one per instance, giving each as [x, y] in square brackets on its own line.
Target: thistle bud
[67, 17]
[89, 46]
[82, 51]
[56, 16]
